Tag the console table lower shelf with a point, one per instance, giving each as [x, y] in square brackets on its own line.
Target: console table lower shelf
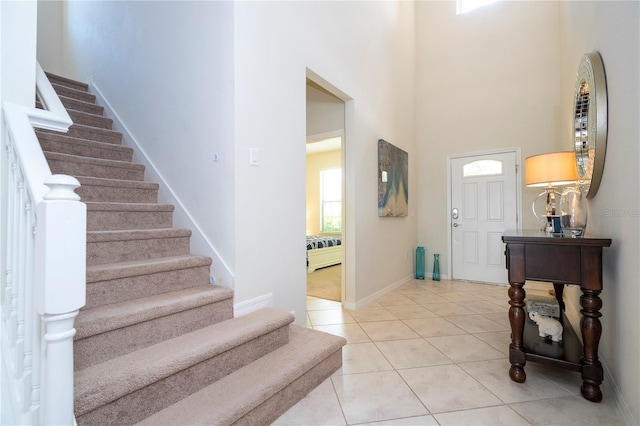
[565, 354]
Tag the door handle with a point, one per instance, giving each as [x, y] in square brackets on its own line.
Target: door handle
[455, 225]
[454, 213]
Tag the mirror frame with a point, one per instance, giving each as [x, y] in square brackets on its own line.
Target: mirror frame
[589, 134]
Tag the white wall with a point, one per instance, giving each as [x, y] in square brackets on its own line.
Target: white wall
[368, 55]
[485, 80]
[503, 76]
[613, 29]
[50, 49]
[166, 68]
[17, 52]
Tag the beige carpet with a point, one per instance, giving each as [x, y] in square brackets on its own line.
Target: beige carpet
[326, 283]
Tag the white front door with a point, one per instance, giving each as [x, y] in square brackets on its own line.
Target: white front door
[483, 205]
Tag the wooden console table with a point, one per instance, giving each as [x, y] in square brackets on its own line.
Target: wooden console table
[534, 255]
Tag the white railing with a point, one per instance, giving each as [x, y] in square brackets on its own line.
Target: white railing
[43, 258]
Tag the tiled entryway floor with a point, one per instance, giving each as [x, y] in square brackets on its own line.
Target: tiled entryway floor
[436, 353]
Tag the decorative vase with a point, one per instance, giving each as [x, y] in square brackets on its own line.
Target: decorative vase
[573, 212]
[420, 263]
[436, 267]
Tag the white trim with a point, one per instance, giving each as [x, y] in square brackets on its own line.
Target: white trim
[451, 157]
[251, 305]
[325, 135]
[378, 294]
[221, 274]
[348, 186]
[54, 116]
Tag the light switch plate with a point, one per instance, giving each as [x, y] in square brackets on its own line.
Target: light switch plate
[254, 156]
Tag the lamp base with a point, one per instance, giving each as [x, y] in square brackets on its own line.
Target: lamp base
[553, 224]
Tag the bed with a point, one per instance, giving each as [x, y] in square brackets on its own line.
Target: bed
[323, 251]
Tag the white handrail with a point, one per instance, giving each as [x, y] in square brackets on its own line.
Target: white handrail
[42, 265]
[54, 116]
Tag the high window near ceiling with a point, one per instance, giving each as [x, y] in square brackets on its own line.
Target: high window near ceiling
[464, 6]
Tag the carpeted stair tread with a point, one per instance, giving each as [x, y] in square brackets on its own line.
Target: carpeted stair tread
[93, 133]
[122, 281]
[116, 190]
[136, 234]
[88, 119]
[229, 399]
[128, 216]
[136, 244]
[105, 382]
[79, 85]
[111, 271]
[101, 319]
[76, 165]
[78, 105]
[118, 183]
[70, 92]
[128, 207]
[95, 161]
[63, 144]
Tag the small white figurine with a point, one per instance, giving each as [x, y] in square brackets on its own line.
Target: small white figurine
[547, 326]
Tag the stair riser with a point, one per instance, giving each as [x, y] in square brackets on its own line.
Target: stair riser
[79, 117]
[99, 253]
[113, 194]
[278, 404]
[129, 409]
[108, 345]
[85, 149]
[67, 82]
[96, 170]
[122, 220]
[95, 134]
[82, 106]
[129, 288]
[80, 95]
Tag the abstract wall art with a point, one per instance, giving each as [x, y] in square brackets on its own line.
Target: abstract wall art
[393, 180]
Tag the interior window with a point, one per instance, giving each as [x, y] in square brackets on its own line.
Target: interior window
[464, 6]
[482, 168]
[331, 200]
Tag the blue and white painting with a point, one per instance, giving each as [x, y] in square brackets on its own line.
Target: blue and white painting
[393, 180]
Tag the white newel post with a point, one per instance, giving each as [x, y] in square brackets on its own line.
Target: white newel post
[60, 291]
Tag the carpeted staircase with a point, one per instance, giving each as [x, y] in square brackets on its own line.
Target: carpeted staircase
[156, 343]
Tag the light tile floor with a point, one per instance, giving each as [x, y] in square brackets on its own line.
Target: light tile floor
[435, 353]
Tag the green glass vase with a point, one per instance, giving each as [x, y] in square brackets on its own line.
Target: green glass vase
[436, 267]
[419, 263]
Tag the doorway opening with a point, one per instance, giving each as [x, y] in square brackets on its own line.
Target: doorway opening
[325, 219]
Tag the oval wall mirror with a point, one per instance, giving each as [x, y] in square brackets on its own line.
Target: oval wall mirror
[590, 122]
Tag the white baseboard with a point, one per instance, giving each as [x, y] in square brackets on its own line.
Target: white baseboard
[371, 298]
[248, 306]
[220, 273]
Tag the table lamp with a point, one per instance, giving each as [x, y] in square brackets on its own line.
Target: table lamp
[550, 171]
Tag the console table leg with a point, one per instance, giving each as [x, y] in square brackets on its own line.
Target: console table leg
[517, 356]
[591, 329]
